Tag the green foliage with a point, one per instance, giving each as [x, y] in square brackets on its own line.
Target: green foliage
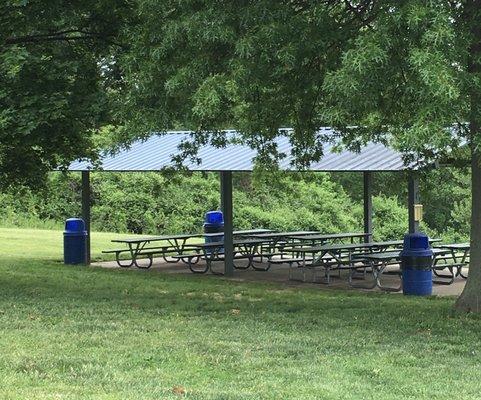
[461, 215]
[404, 80]
[291, 202]
[157, 203]
[253, 66]
[55, 75]
[390, 219]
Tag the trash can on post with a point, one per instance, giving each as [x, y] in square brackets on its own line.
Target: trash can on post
[74, 242]
[416, 262]
[214, 223]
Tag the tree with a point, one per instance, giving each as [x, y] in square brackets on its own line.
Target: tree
[415, 75]
[404, 72]
[56, 68]
[253, 65]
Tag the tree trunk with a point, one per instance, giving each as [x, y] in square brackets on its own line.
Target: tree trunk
[470, 299]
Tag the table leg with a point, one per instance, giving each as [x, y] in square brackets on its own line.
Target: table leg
[119, 262]
[378, 273]
[463, 261]
[136, 252]
[374, 282]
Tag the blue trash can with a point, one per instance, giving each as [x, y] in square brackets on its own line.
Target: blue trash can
[214, 217]
[416, 262]
[75, 242]
[214, 223]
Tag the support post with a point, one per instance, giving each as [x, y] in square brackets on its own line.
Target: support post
[221, 192]
[367, 205]
[413, 198]
[86, 211]
[226, 201]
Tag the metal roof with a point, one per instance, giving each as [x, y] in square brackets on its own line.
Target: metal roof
[155, 154]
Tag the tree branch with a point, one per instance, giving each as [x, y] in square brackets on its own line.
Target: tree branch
[66, 35]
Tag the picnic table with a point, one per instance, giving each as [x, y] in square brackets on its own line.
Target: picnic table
[277, 240]
[378, 263]
[460, 255]
[281, 235]
[335, 256]
[330, 237]
[246, 248]
[250, 232]
[137, 247]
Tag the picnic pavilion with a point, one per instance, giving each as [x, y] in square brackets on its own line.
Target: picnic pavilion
[155, 154]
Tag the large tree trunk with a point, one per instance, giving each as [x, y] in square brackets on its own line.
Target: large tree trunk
[470, 299]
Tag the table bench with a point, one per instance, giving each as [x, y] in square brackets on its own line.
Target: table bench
[149, 252]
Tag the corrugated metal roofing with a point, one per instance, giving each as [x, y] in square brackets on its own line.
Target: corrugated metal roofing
[156, 153]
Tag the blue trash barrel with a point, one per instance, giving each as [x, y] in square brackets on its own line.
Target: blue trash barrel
[416, 261]
[214, 223]
[74, 242]
[214, 217]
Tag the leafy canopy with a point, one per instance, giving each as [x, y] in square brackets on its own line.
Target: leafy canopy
[391, 71]
[55, 75]
[253, 66]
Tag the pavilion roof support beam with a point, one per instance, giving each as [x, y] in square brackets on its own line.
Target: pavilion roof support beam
[413, 199]
[367, 205]
[227, 209]
[86, 211]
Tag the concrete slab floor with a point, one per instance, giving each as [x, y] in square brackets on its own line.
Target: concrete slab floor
[280, 274]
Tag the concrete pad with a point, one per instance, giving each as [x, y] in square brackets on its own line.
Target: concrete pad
[280, 274]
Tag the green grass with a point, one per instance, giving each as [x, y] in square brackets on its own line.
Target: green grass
[87, 333]
[41, 244]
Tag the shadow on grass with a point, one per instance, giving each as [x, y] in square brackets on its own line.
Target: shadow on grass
[39, 282]
[108, 327]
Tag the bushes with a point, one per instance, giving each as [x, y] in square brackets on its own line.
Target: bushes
[294, 201]
[154, 203]
[390, 219]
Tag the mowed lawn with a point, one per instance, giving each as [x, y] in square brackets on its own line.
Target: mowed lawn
[87, 333]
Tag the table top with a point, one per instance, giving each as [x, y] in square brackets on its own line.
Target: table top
[252, 231]
[454, 246]
[393, 255]
[184, 236]
[328, 236]
[158, 238]
[237, 242]
[348, 246]
[274, 235]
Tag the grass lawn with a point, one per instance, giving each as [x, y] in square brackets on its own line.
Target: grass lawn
[75, 332]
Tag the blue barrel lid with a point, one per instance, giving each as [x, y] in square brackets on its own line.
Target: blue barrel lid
[214, 217]
[74, 225]
[416, 244]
